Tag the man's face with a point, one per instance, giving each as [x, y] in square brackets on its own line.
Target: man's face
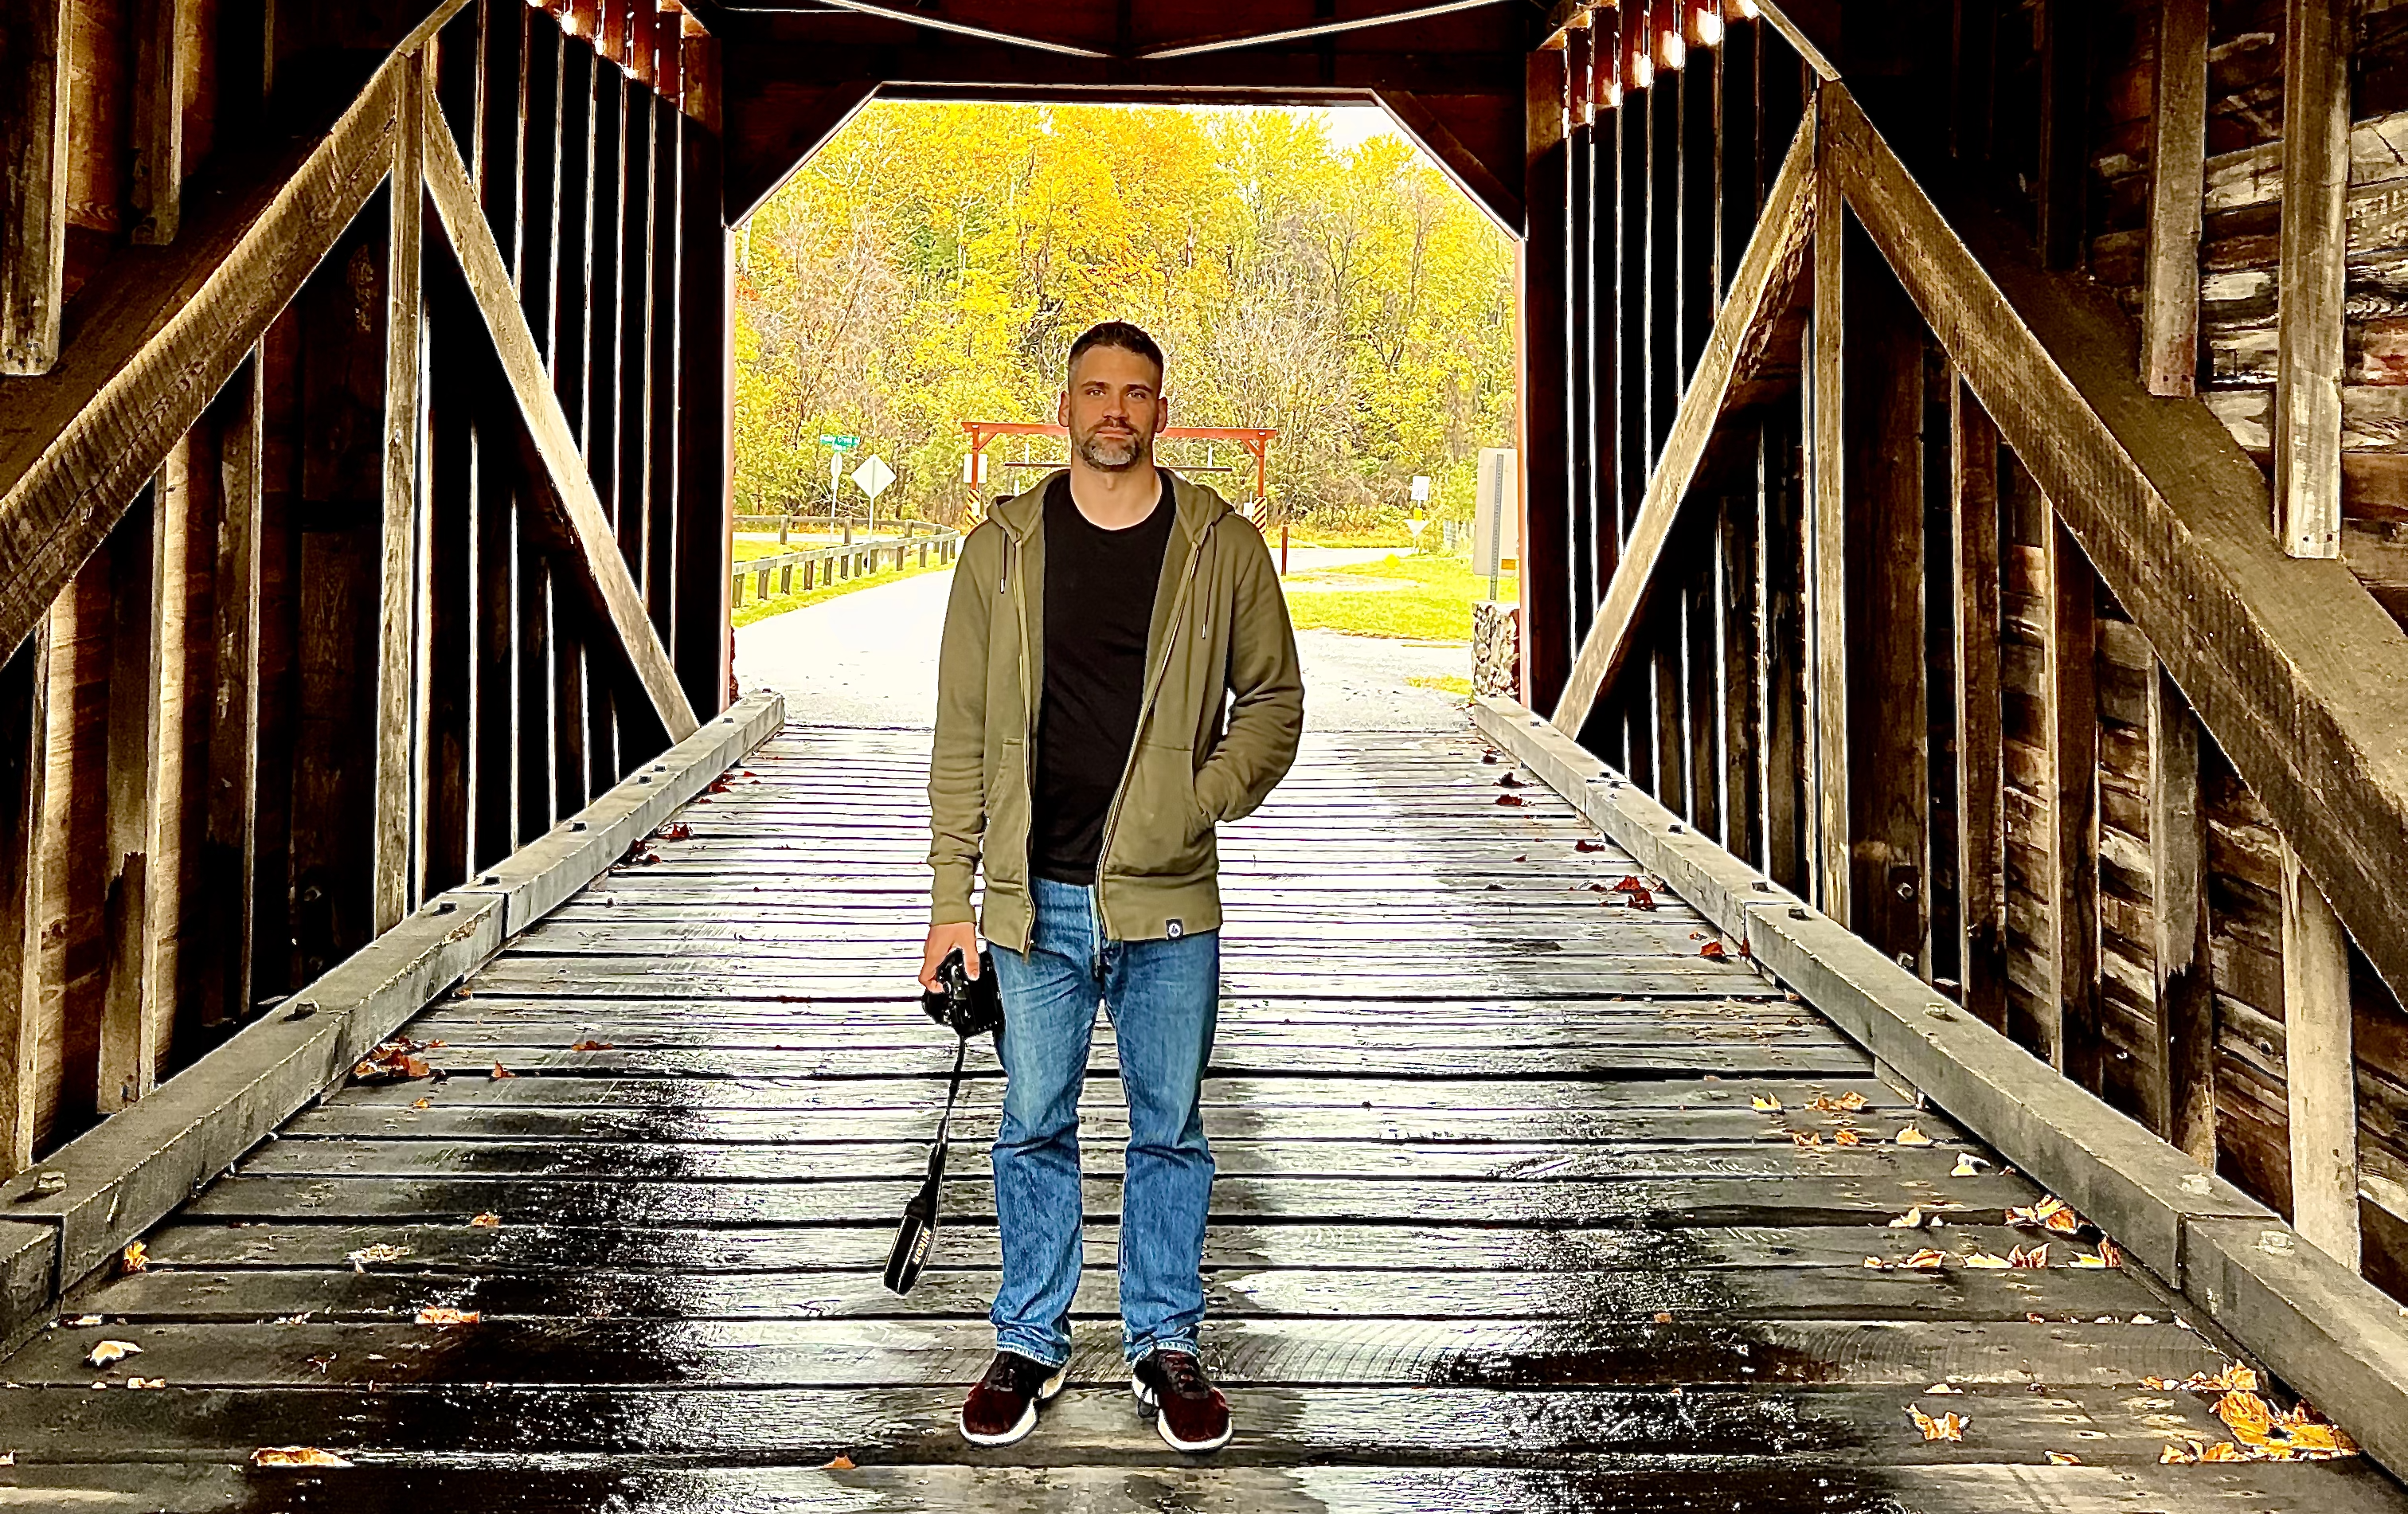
[1113, 408]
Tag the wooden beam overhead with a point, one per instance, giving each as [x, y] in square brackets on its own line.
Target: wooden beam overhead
[1482, 182]
[1770, 264]
[2311, 277]
[602, 570]
[33, 188]
[1198, 46]
[2290, 664]
[170, 325]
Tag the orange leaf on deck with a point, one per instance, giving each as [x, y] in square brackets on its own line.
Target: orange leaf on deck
[1949, 1426]
[1712, 949]
[296, 1456]
[590, 1045]
[500, 1072]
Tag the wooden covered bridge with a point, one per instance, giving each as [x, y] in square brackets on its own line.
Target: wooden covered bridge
[1913, 1019]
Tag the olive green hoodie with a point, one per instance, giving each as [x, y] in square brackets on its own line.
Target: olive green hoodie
[1223, 708]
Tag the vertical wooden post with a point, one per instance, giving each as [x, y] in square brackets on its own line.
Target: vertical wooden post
[661, 582]
[1877, 577]
[2178, 907]
[2177, 186]
[706, 306]
[1781, 641]
[497, 730]
[2314, 246]
[542, 797]
[396, 593]
[156, 121]
[1581, 157]
[1671, 736]
[2064, 79]
[1736, 611]
[146, 609]
[24, 770]
[1980, 836]
[1704, 723]
[2320, 1066]
[230, 830]
[2072, 788]
[1601, 356]
[1630, 279]
[32, 183]
[1826, 535]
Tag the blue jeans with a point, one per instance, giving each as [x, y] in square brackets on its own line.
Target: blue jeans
[1164, 997]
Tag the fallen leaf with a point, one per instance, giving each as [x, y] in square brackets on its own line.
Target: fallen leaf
[296, 1456]
[2063, 1458]
[1968, 1165]
[1663, 1316]
[85, 1320]
[500, 1072]
[1846, 1103]
[2050, 1213]
[1584, 844]
[110, 1352]
[1949, 1426]
[2084, 1260]
[592, 1045]
[1943, 1388]
[1925, 1260]
[1806, 1138]
[1508, 779]
[1911, 1219]
[436, 1314]
[837, 1463]
[1712, 949]
[1984, 1259]
[1642, 900]
[2035, 1259]
[1765, 1103]
[146, 1382]
[133, 1258]
[487, 1221]
[379, 1252]
[394, 1062]
[675, 831]
[1845, 1136]
[1510, 799]
[1910, 1136]
[422, 1103]
[2144, 1320]
[2112, 1254]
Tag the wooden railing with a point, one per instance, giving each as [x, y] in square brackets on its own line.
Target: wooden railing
[832, 564]
[359, 522]
[1934, 612]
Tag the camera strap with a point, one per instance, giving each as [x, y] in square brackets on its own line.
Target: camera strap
[952, 1091]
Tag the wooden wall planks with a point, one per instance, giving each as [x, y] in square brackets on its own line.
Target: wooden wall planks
[314, 677]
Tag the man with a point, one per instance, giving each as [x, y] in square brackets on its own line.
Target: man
[1117, 677]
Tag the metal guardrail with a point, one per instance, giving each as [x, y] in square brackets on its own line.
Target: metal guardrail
[823, 566]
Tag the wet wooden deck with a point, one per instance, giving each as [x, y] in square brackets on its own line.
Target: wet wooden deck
[1499, 1224]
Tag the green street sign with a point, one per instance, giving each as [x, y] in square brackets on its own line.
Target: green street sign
[839, 441]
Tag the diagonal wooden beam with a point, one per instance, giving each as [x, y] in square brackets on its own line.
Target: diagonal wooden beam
[2298, 674]
[1770, 264]
[596, 556]
[159, 332]
[935, 22]
[1194, 46]
[1430, 132]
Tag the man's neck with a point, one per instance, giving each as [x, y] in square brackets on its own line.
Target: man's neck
[1114, 499]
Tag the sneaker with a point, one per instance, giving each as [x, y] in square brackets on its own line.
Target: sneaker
[1190, 1412]
[1002, 1408]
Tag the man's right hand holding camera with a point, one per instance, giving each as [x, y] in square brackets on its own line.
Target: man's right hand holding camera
[943, 940]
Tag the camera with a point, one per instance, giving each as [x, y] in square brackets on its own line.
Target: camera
[963, 1004]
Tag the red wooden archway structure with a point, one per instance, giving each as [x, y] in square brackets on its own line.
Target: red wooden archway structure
[1256, 439]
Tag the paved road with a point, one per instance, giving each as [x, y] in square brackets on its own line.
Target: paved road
[870, 659]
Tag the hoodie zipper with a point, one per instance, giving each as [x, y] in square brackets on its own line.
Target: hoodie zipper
[1145, 715]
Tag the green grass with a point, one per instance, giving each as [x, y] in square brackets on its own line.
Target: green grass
[1431, 600]
[1447, 683]
[753, 610]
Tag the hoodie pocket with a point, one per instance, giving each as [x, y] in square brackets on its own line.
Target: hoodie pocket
[1163, 832]
[1006, 851]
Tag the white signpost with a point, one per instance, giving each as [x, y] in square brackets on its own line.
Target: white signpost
[1495, 519]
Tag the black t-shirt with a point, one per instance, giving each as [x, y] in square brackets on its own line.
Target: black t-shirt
[1099, 588]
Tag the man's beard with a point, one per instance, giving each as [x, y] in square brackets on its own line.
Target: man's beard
[1109, 454]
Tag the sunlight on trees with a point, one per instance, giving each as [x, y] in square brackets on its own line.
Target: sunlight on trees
[934, 262]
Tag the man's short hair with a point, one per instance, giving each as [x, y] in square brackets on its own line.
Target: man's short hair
[1120, 333]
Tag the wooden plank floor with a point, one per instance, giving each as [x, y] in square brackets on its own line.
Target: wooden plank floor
[1500, 1224]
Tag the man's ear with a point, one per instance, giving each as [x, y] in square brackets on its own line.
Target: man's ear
[1161, 414]
[1062, 408]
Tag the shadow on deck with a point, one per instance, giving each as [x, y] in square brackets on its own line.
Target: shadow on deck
[1504, 1221]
